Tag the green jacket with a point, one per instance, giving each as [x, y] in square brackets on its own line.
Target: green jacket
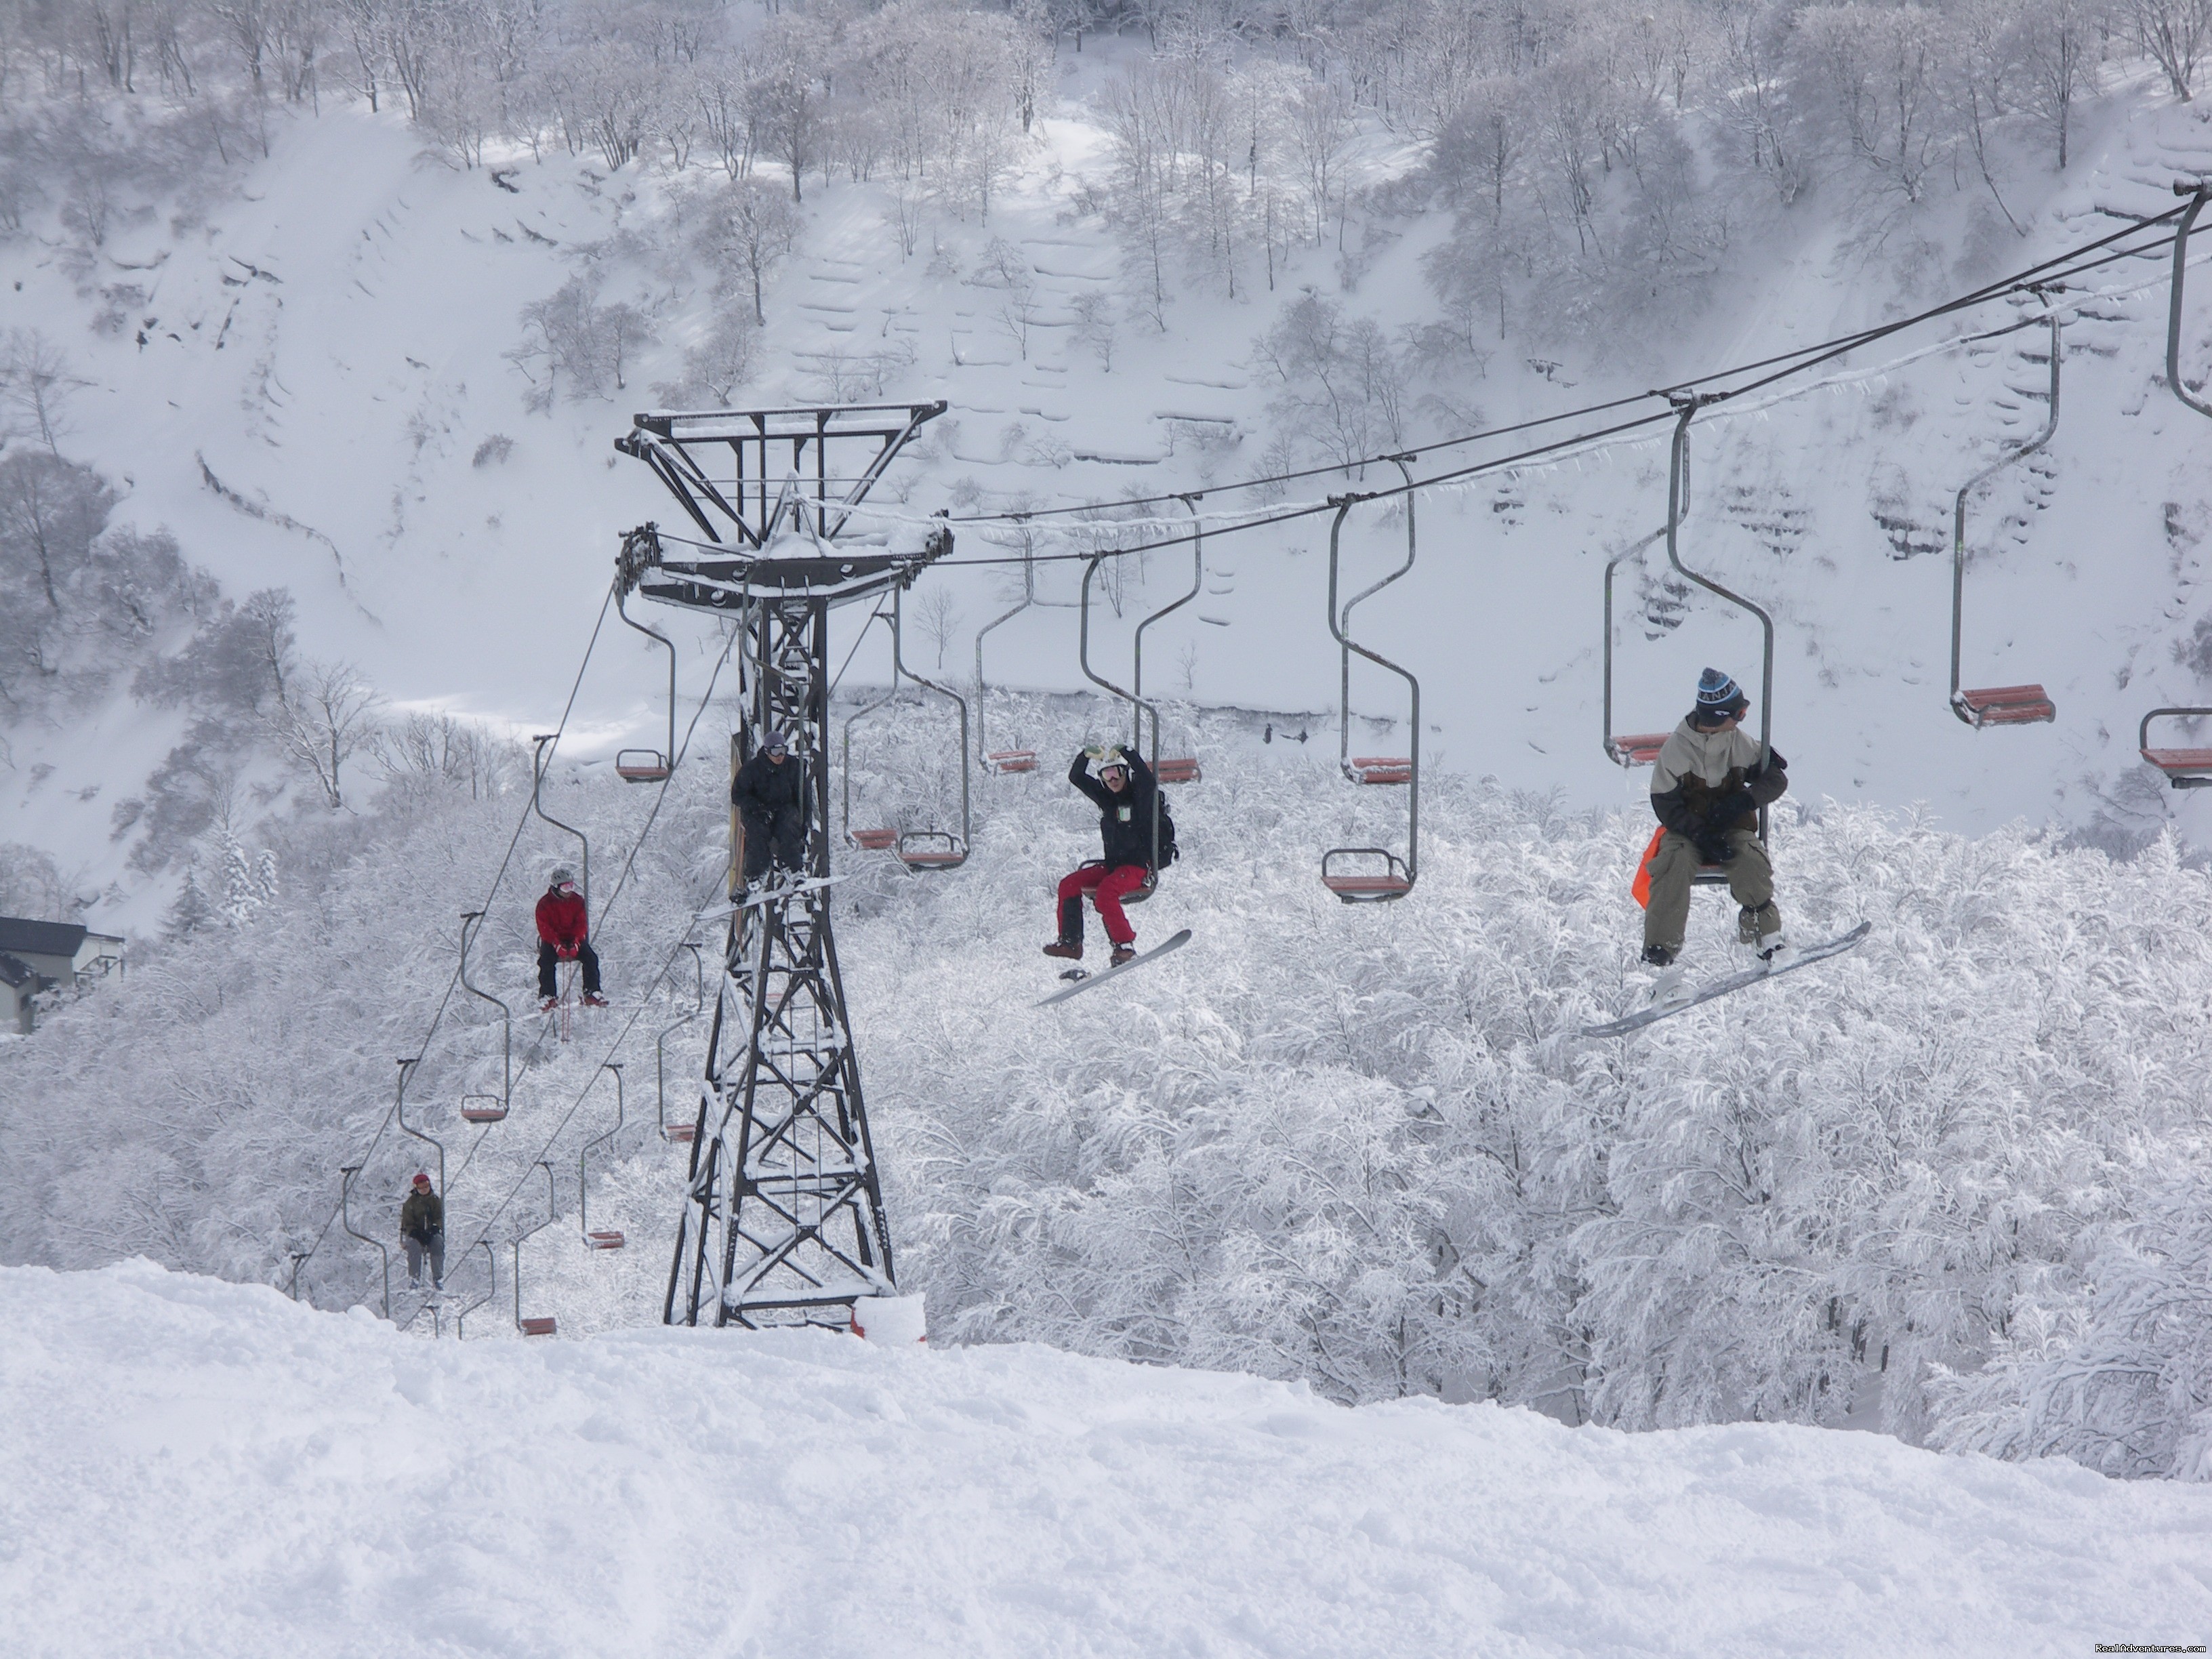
[423, 1216]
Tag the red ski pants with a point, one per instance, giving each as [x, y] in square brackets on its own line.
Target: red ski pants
[1106, 888]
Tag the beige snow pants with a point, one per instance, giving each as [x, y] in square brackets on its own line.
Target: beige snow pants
[1751, 878]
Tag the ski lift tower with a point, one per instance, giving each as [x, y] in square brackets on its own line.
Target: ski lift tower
[783, 1218]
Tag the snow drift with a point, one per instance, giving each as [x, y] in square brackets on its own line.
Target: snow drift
[267, 1480]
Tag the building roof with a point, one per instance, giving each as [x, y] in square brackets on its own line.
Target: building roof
[46, 939]
[15, 975]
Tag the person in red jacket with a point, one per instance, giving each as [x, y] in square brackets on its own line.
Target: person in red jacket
[562, 929]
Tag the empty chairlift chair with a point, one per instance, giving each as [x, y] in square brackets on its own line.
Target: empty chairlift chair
[537, 1325]
[487, 1108]
[649, 765]
[878, 839]
[598, 1238]
[1373, 875]
[1629, 748]
[1996, 705]
[1003, 761]
[933, 849]
[2184, 769]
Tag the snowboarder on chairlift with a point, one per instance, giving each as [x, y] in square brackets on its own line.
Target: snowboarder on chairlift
[422, 1231]
[769, 792]
[1707, 786]
[1125, 792]
[562, 930]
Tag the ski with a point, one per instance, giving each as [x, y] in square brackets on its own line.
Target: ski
[1085, 981]
[1721, 988]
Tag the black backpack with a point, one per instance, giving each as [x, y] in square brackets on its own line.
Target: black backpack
[1168, 849]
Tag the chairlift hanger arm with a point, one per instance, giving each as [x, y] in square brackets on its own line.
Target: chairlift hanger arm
[1343, 624]
[1635, 549]
[898, 666]
[537, 762]
[1197, 583]
[2197, 193]
[668, 754]
[1686, 406]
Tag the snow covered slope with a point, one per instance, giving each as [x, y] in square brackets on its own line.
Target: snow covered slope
[323, 366]
[196, 1467]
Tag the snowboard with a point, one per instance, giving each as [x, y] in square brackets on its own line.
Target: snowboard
[1085, 981]
[1721, 988]
[753, 902]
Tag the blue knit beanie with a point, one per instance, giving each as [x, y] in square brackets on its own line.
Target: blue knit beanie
[1719, 696]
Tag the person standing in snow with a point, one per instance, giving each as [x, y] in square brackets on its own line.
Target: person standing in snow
[1124, 791]
[769, 792]
[562, 930]
[1707, 786]
[422, 1231]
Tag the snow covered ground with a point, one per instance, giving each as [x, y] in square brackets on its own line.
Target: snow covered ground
[190, 1467]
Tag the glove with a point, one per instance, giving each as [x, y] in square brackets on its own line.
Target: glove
[1091, 751]
[1714, 848]
[1729, 808]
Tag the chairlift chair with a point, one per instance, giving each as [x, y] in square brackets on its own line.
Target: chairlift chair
[649, 765]
[602, 1238]
[1352, 872]
[1687, 405]
[543, 1325]
[1003, 761]
[877, 839]
[1173, 768]
[488, 1109]
[1372, 769]
[1630, 748]
[933, 849]
[2184, 769]
[1083, 658]
[1996, 705]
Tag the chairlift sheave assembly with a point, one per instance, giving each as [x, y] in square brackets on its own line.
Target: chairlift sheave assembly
[1996, 705]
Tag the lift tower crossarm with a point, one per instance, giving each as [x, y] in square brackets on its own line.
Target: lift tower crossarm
[773, 452]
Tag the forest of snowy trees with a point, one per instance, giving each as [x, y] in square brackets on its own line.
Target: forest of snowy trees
[1596, 158]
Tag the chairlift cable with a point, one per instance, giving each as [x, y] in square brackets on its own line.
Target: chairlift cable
[2031, 276]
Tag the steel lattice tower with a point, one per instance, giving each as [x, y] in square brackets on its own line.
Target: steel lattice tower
[783, 1218]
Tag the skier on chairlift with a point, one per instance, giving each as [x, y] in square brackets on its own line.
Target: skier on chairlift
[770, 793]
[1124, 791]
[1707, 786]
[422, 1231]
[562, 936]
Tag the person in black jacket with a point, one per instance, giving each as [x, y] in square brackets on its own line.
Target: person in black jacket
[1124, 790]
[770, 795]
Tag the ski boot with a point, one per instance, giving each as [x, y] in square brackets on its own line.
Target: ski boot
[593, 999]
[548, 1005]
[1123, 953]
[1070, 948]
[1667, 985]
